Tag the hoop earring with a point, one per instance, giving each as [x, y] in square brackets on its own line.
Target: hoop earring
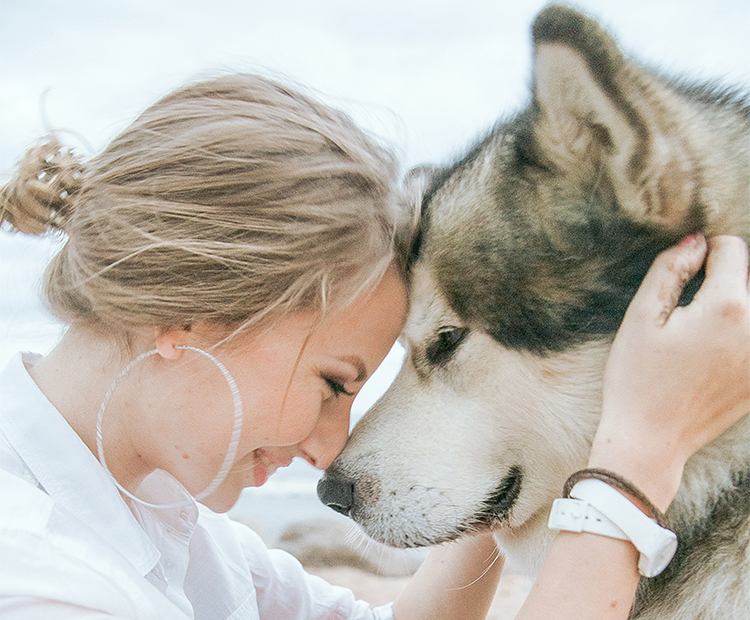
[233, 441]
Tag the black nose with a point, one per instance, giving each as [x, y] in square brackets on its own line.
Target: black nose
[337, 492]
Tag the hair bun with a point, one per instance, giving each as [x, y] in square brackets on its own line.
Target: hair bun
[38, 197]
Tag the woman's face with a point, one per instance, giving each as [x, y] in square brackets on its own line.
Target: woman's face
[297, 381]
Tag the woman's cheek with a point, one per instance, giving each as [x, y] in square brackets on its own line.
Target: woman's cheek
[299, 419]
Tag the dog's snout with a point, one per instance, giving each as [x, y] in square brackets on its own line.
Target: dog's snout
[337, 491]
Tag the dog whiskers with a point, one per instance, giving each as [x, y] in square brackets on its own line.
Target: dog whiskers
[498, 556]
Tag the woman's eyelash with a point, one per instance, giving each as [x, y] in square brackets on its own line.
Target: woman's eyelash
[337, 387]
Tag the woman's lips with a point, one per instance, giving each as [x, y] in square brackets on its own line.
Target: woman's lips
[260, 475]
[265, 465]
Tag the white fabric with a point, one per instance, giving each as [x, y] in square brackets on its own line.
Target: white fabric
[71, 548]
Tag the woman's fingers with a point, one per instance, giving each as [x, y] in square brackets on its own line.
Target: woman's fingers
[660, 291]
[677, 378]
[726, 267]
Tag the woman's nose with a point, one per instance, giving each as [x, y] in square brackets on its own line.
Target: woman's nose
[328, 437]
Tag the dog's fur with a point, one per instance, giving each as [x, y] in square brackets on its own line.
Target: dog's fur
[529, 251]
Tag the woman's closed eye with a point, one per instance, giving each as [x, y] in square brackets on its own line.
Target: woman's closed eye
[337, 387]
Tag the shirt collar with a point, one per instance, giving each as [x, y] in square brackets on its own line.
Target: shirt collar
[65, 467]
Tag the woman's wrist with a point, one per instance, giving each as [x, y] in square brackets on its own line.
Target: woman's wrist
[653, 467]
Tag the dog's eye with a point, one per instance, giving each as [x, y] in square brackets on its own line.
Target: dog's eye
[444, 346]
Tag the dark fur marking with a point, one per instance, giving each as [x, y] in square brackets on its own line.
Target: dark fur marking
[513, 281]
[500, 279]
[515, 315]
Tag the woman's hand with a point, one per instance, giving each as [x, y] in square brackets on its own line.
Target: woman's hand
[677, 377]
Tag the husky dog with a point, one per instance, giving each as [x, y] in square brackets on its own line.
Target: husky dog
[529, 251]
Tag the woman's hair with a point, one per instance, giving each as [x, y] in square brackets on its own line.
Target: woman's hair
[232, 200]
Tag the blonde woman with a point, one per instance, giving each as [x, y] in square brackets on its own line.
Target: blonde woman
[232, 275]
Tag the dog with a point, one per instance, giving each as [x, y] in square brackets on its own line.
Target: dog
[528, 252]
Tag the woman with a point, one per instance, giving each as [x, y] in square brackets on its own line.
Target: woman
[231, 277]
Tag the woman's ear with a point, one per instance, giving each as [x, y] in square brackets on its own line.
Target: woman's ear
[168, 339]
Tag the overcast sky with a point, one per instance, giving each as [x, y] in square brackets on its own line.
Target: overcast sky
[428, 75]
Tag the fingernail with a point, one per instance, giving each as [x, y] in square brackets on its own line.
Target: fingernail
[692, 241]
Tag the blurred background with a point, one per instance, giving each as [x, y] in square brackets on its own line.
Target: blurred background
[427, 76]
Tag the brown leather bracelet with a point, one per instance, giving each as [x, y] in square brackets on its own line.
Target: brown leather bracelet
[621, 484]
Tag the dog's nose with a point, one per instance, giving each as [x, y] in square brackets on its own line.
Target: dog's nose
[336, 491]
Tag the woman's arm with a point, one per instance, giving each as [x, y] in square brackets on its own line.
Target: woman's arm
[676, 379]
[457, 581]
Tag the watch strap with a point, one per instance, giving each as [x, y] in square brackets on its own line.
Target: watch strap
[656, 544]
[575, 515]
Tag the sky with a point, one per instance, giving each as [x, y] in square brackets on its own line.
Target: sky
[426, 75]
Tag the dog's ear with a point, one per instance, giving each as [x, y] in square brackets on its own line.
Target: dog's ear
[599, 115]
[416, 184]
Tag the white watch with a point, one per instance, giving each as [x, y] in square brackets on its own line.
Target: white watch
[597, 508]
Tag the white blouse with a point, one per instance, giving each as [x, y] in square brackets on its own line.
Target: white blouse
[70, 547]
